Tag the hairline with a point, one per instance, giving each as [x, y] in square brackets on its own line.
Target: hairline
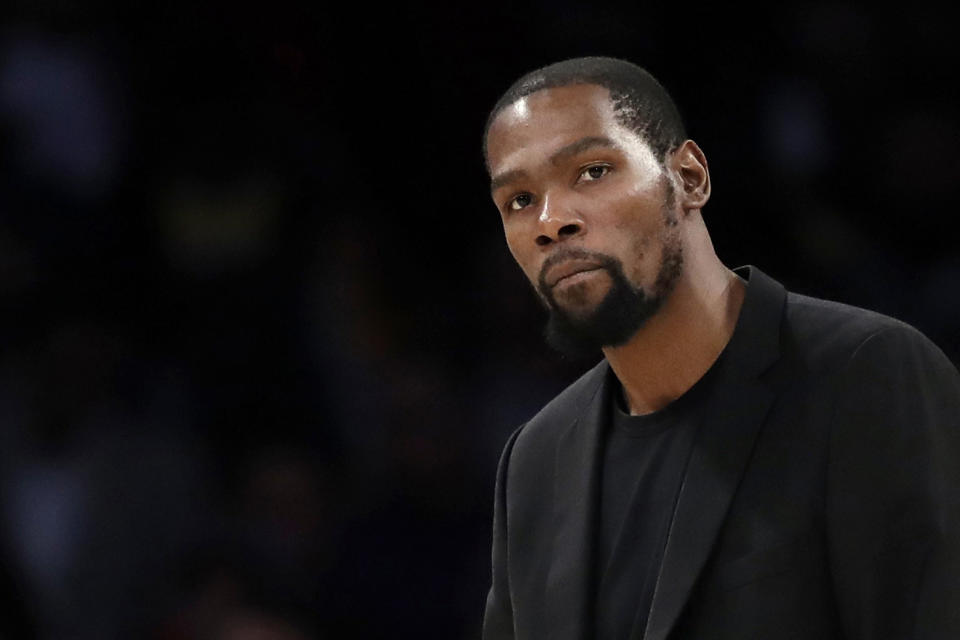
[617, 115]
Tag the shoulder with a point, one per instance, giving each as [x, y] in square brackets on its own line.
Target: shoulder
[545, 428]
[829, 335]
[874, 364]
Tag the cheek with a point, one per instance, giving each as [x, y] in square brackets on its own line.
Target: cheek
[642, 250]
[631, 213]
[638, 221]
[513, 242]
[520, 252]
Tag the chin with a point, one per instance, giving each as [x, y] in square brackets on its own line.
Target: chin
[581, 299]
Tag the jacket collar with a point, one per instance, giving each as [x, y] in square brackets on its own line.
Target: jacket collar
[735, 410]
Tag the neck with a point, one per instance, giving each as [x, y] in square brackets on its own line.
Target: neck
[677, 346]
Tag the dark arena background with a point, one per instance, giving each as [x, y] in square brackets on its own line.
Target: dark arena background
[262, 340]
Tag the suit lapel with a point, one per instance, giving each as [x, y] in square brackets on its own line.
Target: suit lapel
[576, 498]
[734, 413]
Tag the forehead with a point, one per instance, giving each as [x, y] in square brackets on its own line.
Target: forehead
[550, 118]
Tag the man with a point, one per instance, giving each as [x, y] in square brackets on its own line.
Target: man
[744, 462]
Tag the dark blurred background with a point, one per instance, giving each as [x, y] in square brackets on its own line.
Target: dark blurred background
[262, 340]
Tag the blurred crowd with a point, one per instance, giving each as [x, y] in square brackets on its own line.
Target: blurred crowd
[261, 339]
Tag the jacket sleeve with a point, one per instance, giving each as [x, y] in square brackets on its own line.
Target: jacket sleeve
[498, 617]
[893, 490]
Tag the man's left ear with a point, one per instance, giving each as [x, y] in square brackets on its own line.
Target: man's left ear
[690, 165]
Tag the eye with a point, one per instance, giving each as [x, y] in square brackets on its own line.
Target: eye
[593, 172]
[520, 201]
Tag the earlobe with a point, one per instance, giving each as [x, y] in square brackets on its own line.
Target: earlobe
[691, 166]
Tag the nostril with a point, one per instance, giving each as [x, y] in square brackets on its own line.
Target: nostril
[568, 230]
[542, 240]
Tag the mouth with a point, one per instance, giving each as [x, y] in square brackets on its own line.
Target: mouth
[568, 269]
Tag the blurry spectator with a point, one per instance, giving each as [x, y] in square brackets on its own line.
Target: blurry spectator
[101, 497]
[59, 98]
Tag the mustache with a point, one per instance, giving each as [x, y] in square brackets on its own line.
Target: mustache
[603, 260]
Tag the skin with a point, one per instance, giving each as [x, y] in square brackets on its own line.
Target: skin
[566, 175]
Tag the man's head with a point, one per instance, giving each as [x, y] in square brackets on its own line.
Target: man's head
[594, 181]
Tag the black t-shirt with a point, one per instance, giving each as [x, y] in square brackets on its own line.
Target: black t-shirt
[644, 461]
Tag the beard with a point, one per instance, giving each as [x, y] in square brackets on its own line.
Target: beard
[622, 311]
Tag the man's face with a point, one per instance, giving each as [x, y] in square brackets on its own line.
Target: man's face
[588, 213]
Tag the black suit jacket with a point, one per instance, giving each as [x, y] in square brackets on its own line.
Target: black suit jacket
[821, 499]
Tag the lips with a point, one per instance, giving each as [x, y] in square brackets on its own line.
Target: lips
[568, 268]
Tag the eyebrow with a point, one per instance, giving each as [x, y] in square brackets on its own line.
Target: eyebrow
[506, 178]
[580, 145]
[571, 149]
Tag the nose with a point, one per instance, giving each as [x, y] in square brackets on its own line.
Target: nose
[557, 222]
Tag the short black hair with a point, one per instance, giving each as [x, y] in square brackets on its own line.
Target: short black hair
[639, 100]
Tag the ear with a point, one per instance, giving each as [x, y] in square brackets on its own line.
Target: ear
[690, 168]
